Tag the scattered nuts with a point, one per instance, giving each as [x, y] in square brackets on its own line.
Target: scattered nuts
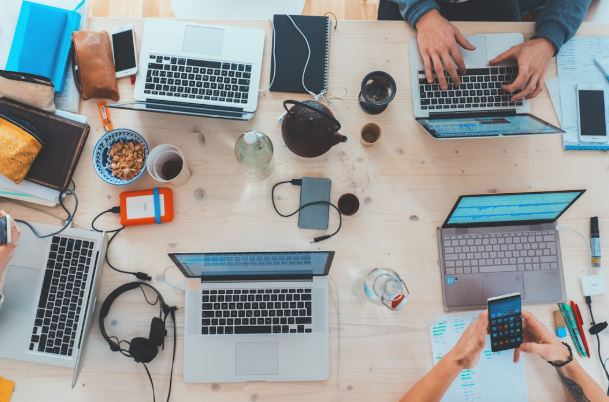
[126, 159]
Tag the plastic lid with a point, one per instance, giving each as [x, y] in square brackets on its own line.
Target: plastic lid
[250, 138]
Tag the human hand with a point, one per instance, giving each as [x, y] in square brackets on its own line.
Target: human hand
[439, 42]
[7, 250]
[539, 340]
[533, 58]
[466, 351]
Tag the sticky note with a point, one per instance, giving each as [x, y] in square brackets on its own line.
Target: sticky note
[6, 389]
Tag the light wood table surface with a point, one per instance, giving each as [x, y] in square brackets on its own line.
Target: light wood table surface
[407, 184]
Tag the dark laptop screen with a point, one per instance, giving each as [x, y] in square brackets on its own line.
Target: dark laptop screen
[486, 126]
[508, 208]
[253, 265]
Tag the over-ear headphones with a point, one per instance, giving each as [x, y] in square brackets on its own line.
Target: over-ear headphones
[141, 350]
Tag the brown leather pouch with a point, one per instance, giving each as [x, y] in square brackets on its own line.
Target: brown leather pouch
[93, 65]
[20, 144]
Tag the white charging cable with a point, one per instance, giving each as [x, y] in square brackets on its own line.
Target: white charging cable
[588, 246]
[163, 278]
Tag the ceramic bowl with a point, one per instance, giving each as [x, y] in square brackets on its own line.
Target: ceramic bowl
[101, 155]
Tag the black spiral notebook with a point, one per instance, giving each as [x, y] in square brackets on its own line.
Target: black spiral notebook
[290, 56]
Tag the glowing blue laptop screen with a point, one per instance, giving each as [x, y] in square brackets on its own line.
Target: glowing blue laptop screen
[486, 126]
[253, 264]
[511, 207]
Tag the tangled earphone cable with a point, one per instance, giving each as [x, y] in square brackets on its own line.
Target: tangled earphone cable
[298, 182]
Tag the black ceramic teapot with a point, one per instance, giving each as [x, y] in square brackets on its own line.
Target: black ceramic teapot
[309, 128]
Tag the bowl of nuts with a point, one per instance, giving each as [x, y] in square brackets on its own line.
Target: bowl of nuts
[119, 157]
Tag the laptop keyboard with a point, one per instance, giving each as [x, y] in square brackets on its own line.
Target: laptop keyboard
[480, 89]
[61, 297]
[198, 79]
[500, 252]
[256, 311]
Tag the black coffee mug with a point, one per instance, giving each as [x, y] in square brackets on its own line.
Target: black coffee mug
[377, 91]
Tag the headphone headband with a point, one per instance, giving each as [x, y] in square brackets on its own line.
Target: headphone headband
[105, 308]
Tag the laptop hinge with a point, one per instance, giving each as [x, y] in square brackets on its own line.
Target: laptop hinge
[478, 113]
[229, 279]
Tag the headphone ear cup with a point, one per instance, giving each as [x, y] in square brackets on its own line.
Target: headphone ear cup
[142, 350]
[157, 332]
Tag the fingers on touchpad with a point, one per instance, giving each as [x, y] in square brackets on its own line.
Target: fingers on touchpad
[256, 358]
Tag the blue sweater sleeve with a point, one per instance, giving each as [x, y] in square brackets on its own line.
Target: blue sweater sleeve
[412, 10]
[559, 20]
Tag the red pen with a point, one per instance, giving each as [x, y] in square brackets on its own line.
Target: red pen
[580, 324]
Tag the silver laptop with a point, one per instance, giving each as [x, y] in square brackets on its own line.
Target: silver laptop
[256, 316]
[494, 244]
[200, 70]
[50, 293]
[479, 107]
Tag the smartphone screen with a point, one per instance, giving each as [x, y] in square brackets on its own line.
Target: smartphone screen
[124, 53]
[505, 321]
[592, 113]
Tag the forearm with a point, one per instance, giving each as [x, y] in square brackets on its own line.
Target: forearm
[412, 10]
[559, 20]
[580, 385]
[433, 386]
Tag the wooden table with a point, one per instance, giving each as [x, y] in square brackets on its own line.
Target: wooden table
[407, 184]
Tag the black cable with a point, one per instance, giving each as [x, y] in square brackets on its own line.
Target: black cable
[598, 340]
[298, 182]
[115, 210]
[151, 382]
[173, 356]
[69, 219]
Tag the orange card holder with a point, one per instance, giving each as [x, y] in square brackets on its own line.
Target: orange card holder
[145, 207]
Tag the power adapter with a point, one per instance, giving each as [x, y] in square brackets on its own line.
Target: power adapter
[593, 285]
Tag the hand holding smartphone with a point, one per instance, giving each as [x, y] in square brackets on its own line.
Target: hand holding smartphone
[505, 321]
[5, 230]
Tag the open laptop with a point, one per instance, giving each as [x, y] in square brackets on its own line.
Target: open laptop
[494, 244]
[50, 293]
[479, 107]
[199, 70]
[256, 316]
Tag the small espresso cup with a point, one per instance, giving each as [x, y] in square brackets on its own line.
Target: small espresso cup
[166, 164]
[370, 134]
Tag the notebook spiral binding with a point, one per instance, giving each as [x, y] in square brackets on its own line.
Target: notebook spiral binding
[327, 57]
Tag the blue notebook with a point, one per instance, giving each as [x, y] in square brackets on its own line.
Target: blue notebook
[42, 41]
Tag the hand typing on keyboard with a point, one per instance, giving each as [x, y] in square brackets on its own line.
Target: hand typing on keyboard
[439, 42]
[533, 58]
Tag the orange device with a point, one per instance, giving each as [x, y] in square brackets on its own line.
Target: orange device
[146, 206]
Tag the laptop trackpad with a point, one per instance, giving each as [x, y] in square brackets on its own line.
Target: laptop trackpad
[501, 283]
[256, 358]
[478, 57]
[21, 288]
[203, 40]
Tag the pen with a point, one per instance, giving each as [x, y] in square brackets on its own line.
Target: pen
[595, 242]
[572, 327]
[580, 328]
[603, 64]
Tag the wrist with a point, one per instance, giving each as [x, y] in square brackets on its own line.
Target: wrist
[562, 355]
[453, 360]
[428, 18]
[545, 44]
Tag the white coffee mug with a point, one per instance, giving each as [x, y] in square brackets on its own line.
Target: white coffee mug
[167, 164]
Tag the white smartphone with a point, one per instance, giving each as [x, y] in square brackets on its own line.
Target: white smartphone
[592, 103]
[123, 51]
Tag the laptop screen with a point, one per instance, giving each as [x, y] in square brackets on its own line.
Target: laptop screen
[253, 265]
[509, 208]
[486, 126]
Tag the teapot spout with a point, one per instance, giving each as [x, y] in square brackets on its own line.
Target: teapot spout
[341, 138]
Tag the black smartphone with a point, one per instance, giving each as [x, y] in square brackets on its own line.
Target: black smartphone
[505, 321]
[314, 189]
[5, 230]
